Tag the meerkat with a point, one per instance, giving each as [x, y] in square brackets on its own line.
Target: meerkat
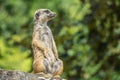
[46, 60]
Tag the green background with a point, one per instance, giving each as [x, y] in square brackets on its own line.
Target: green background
[87, 34]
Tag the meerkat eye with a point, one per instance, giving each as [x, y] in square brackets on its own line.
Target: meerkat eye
[47, 11]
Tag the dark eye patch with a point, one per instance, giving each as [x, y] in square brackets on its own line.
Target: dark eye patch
[47, 11]
[37, 15]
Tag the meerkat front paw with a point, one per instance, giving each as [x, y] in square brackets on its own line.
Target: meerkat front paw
[45, 52]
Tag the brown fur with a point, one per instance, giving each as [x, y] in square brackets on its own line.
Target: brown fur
[44, 48]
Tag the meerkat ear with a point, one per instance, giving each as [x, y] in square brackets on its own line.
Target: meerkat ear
[37, 16]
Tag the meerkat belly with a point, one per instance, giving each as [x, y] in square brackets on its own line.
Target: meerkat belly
[47, 39]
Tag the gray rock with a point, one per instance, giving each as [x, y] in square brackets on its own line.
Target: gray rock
[19, 75]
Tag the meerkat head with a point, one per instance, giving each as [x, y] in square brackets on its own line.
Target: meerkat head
[44, 15]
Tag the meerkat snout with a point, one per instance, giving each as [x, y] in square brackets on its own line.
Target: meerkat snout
[44, 15]
[51, 15]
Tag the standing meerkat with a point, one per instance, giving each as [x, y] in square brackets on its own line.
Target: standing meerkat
[46, 60]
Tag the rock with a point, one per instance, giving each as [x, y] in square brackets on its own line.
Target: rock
[19, 75]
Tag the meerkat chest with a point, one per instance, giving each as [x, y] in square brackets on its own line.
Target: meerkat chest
[45, 35]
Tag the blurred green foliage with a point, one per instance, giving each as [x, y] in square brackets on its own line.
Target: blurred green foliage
[87, 34]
